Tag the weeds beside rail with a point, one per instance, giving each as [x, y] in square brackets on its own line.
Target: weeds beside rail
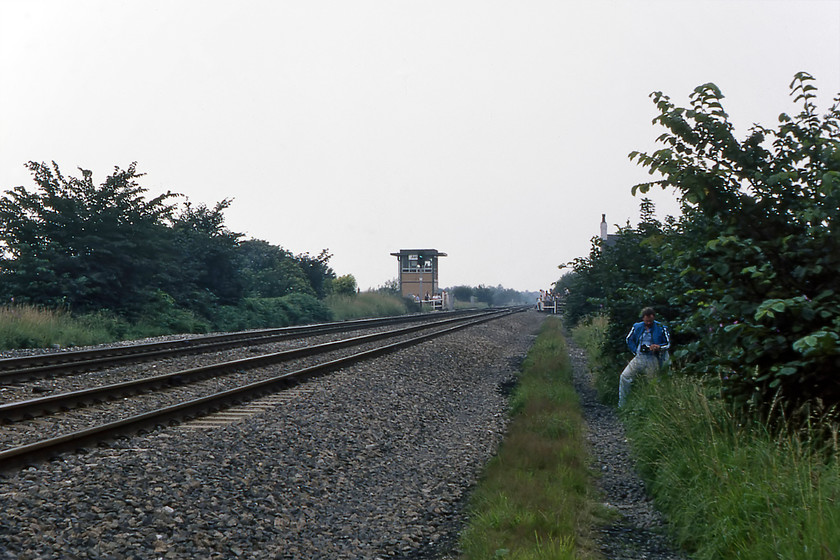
[533, 500]
[733, 490]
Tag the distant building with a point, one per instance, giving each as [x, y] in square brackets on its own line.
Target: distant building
[608, 240]
[418, 272]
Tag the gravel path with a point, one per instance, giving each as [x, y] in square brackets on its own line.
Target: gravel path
[639, 533]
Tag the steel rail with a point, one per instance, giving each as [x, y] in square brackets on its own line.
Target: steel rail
[53, 363]
[30, 453]
[20, 410]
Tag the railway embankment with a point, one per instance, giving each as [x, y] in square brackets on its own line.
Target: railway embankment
[372, 461]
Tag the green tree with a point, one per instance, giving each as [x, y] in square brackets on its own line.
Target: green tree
[756, 266]
[206, 255]
[462, 293]
[484, 294]
[344, 285]
[508, 296]
[391, 287]
[268, 271]
[317, 270]
[70, 242]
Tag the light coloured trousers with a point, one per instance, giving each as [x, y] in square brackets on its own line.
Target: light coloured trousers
[641, 364]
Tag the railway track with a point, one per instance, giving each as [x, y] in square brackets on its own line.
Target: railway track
[51, 364]
[37, 428]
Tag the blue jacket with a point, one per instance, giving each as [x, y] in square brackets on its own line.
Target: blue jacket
[659, 335]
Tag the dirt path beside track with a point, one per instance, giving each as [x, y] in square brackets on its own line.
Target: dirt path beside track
[640, 532]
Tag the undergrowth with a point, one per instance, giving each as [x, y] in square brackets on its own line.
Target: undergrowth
[365, 304]
[730, 487]
[591, 335]
[734, 489]
[533, 500]
[25, 326]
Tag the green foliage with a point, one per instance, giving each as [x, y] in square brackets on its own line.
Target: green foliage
[366, 304]
[253, 313]
[145, 267]
[71, 243]
[317, 270]
[269, 271]
[162, 315]
[205, 254]
[533, 500]
[764, 254]
[462, 293]
[608, 289]
[390, 287]
[733, 490]
[591, 334]
[497, 296]
[483, 294]
[344, 285]
[747, 277]
[27, 326]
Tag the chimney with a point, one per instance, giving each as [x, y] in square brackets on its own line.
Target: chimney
[604, 226]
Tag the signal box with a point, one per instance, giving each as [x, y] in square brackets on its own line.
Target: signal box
[419, 272]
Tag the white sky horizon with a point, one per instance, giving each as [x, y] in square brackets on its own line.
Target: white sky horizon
[495, 132]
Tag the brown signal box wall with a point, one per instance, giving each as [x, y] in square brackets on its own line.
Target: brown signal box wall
[418, 272]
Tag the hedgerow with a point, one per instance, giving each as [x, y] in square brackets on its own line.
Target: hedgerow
[747, 276]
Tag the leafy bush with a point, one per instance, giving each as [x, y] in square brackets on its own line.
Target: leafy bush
[307, 309]
[253, 313]
[161, 315]
[747, 277]
[765, 255]
[344, 285]
[71, 243]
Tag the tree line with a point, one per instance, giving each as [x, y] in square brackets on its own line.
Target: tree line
[70, 243]
[496, 296]
[747, 275]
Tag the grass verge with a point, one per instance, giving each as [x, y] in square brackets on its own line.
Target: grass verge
[729, 488]
[365, 304]
[23, 326]
[591, 335]
[28, 326]
[733, 490]
[533, 500]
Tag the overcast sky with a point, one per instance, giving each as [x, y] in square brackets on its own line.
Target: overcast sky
[496, 132]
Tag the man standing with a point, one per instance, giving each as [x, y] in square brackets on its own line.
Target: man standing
[649, 341]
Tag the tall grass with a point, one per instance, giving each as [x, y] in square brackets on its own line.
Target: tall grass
[733, 490]
[365, 304]
[533, 501]
[591, 335]
[25, 326]
[730, 489]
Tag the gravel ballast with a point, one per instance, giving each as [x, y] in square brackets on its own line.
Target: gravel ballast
[374, 461]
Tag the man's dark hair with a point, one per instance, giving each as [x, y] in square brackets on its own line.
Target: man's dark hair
[648, 312]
